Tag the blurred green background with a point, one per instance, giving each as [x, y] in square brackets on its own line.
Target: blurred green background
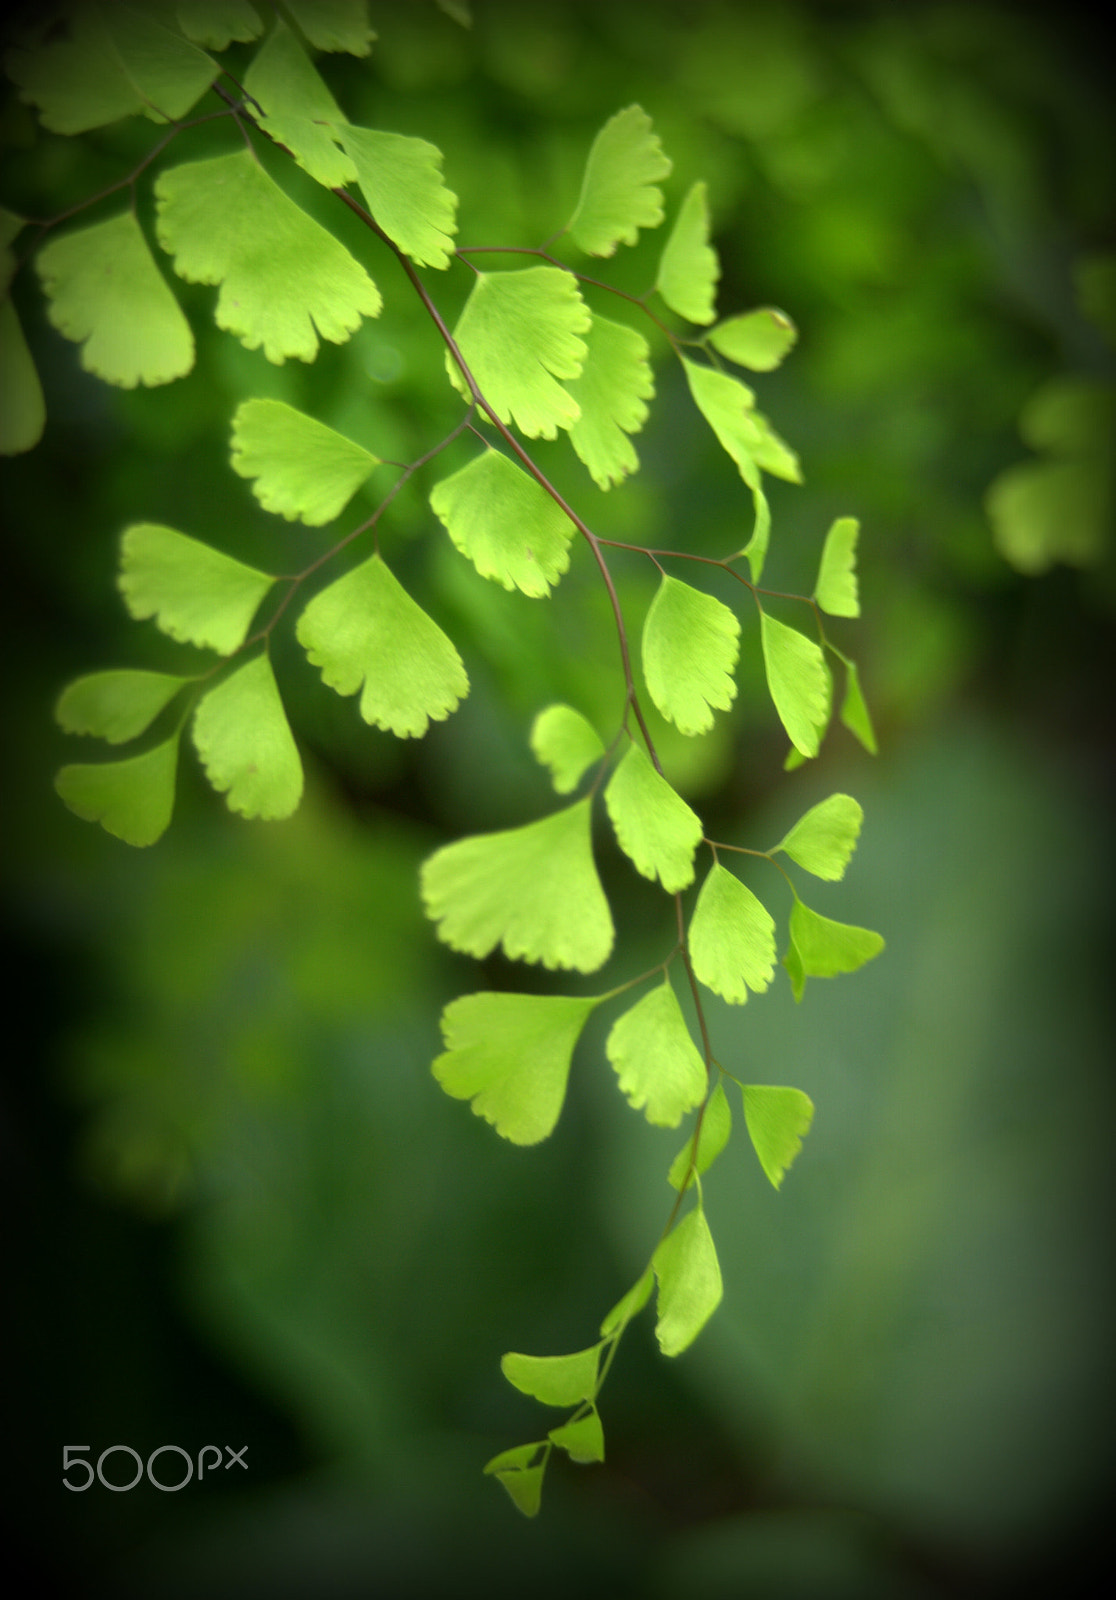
[241, 1211]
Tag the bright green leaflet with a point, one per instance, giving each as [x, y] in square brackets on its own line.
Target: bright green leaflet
[757, 340]
[302, 468]
[133, 799]
[334, 24]
[656, 1062]
[799, 682]
[365, 628]
[689, 649]
[520, 334]
[824, 839]
[524, 1484]
[401, 179]
[773, 454]
[690, 1286]
[689, 269]
[778, 1120]
[534, 890]
[105, 292]
[582, 1440]
[854, 711]
[836, 588]
[196, 594]
[630, 1304]
[299, 110]
[22, 407]
[756, 548]
[505, 522]
[655, 827]
[554, 1380]
[116, 706]
[563, 741]
[284, 280]
[612, 393]
[619, 191]
[244, 740]
[716, 1126]
[727, 406]
[821, 948]
[218, 23]
[732, 938]
[510, 1055]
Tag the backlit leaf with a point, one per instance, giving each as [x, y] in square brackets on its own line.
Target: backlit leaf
[757, 340]
[690, 645]
[244, 740]
[716, 1126]
[798, 679]
[195, 593]
[689, 269]
[520, 334]
[366, 629]
[104, 291]
[284, 280]
[505, 522]
[619, 191]
[583, 1439]
[655, 827]
[836, 588]
[299, 110]
[778, 1120]
[824, 839]
[727, 405]
[756, 548]
[534, 890]
[116, 706]
[334, 24]
[820, 948]
[658, 1066]
[563, 741]
[732, 938]
[510, 1055]
[131, 799]
[22, 408]
[524, 1485]
[302, 468]
[554, 1380]
[612, 392]
[630, 1304]
[773, 453]
[690, 1286]
[515, 1459]
[218, 23]
[854, 711]
[401, 179]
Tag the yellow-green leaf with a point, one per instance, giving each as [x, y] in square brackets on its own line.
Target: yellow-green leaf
[656, 1062]
[619, 191]
[244, 740]
[689, 268]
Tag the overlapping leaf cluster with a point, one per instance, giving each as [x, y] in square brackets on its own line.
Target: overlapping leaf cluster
[532, 357]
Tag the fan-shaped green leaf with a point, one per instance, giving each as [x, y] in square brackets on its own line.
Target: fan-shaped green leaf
[756, 548]
[689, 648]
[302, 468]
[524, 1484]
[659, 1069]
[554, 1380]
[510, 1054]
[689, 269]
[727, 405]
[732, 938]
[534, 889]
[566, 743]
[505, 522]
[131, 799]
[334, 24]
[401, 179]
[244, 740]
[798, 679]
[519, 334]
[116, 706]
[757, 340]
[824, 839]
[284, 280]
[854, 711]
[22, 408]
[583, 1439]
[820, 948]
[716, 1126]
[195, 593]
[630, 1304]
[778, 1120]
[690, 1286]
[619, 191]
[518, 1457]
[774, 454]
[365, 628]
[105, 292]
[298, 109]
[836, 588]
[655, 827]
[612, 391]
[218, 23]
